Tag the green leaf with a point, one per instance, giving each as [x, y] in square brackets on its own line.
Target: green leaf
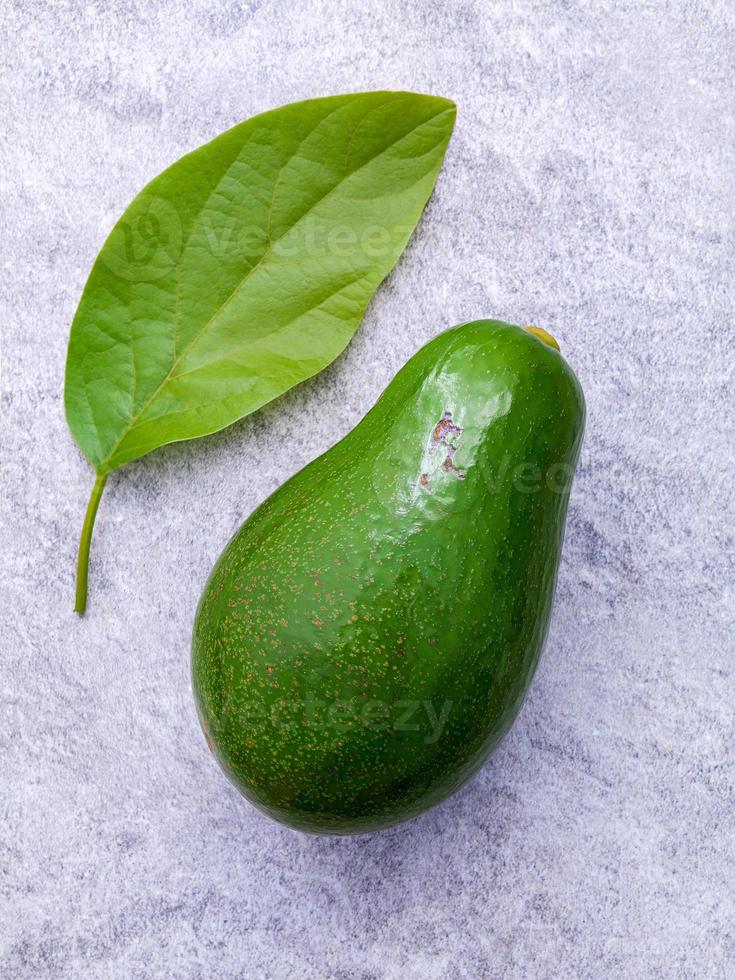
[244, 269]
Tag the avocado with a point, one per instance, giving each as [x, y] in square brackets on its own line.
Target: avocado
[368, 635]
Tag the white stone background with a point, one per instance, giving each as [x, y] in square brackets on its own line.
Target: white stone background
[589, 188]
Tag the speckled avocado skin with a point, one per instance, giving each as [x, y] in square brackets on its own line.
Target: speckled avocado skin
[368, 635]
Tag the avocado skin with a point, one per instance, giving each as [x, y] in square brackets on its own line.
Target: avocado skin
[362, 603]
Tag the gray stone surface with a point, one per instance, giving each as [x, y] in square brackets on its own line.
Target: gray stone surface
[589, 188]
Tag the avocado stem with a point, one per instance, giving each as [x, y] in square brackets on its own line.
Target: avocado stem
[84, 542]
[543, 335]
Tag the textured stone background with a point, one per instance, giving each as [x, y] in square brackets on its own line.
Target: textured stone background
[589, 188]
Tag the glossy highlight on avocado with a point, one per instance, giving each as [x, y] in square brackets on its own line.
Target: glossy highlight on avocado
[368, 635]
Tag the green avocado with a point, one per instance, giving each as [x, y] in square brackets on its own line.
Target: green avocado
[368, 635]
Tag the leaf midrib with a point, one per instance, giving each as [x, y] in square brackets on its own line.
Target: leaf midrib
[104, 466]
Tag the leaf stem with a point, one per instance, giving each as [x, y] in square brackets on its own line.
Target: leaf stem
[85, 541]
